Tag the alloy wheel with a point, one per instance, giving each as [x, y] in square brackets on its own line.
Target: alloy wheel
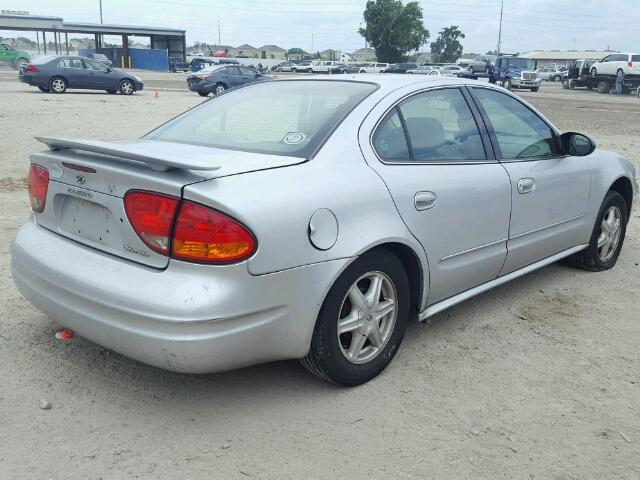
[58, 85]
[126, 87]
[367, 317]
[609, 237]
[220, 89]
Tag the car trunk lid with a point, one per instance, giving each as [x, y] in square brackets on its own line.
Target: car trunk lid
[88, 180]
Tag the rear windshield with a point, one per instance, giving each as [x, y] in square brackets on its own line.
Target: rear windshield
[282, 118]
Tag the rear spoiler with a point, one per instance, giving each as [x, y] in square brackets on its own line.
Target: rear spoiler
[149, 152]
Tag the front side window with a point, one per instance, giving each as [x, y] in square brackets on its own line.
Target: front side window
[635, 58]
[441, 127]
[96, 66]
[520, 132]
[281, 117]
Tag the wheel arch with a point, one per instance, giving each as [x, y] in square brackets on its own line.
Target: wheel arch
[624, 187]
[418, 277]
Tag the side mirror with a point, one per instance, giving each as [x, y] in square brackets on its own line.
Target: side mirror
[576, 144]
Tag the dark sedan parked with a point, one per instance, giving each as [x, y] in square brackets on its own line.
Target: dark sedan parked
[57, 74]
[400, 67]
[219, 78]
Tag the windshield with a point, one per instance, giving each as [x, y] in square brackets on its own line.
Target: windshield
[521, 63]
[282, 118]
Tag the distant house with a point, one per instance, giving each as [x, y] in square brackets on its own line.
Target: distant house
[245, 50]
[336, 55]
[296, 54]
[364, 55]
[272, 52]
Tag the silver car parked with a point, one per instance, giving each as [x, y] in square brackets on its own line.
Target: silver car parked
[310, 219]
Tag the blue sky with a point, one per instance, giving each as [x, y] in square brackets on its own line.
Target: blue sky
[527, 25]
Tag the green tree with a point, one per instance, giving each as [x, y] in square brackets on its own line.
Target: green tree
[393, 29]
[447, 48]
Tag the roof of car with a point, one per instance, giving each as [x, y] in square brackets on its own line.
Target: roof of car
[389, 81]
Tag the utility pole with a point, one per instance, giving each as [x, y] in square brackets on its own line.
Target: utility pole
[311, 52]
[101, 11]
[500, 31]
[574, 44]
[219, 43]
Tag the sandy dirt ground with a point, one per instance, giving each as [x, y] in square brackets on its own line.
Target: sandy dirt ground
[536, 379]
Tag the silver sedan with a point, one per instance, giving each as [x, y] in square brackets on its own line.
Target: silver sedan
[310, 219]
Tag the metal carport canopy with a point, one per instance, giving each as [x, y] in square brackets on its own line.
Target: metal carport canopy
[30, 22]
[93, 28]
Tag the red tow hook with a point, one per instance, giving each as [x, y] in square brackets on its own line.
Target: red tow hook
[64, 334]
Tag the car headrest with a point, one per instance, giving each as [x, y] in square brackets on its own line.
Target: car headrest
[425, 132]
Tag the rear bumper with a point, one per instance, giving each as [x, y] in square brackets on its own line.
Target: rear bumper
[187, 318]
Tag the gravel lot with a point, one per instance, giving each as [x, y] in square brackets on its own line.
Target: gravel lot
[536, 379]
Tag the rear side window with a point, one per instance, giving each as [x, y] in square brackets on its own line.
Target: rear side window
[389, 140]
[519, 131]
[282, 117]
[441, 127]
[71, 63]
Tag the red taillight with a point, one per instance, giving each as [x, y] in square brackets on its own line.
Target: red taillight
[203, 77]
[38, 183]
[151, 216]
[32, 68]
[205, 235]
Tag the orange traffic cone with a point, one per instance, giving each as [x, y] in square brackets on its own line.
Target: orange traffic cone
[156, 95]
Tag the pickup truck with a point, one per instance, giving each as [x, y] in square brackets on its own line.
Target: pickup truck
[13, 57]
[323, 66]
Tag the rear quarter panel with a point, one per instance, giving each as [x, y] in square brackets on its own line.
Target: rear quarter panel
[277, 205]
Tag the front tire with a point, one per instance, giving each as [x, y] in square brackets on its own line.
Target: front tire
[607, 237]
[506, 84]
[57, 85]
[535, 89]
[219, 88]
[127, 87]
[557, 78]
[362, 321]
[309, 70]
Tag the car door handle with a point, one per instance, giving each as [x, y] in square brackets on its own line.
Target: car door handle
[425, 200]
[526, 185]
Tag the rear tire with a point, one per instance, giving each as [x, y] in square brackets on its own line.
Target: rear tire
[535, 89]
[219, 88]
[506, 84]
[557, 78]
[607, 238]
[334, 356]
[603, 87]
[203, 94]
[565, 84]
[58, 85]
[309, 70]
